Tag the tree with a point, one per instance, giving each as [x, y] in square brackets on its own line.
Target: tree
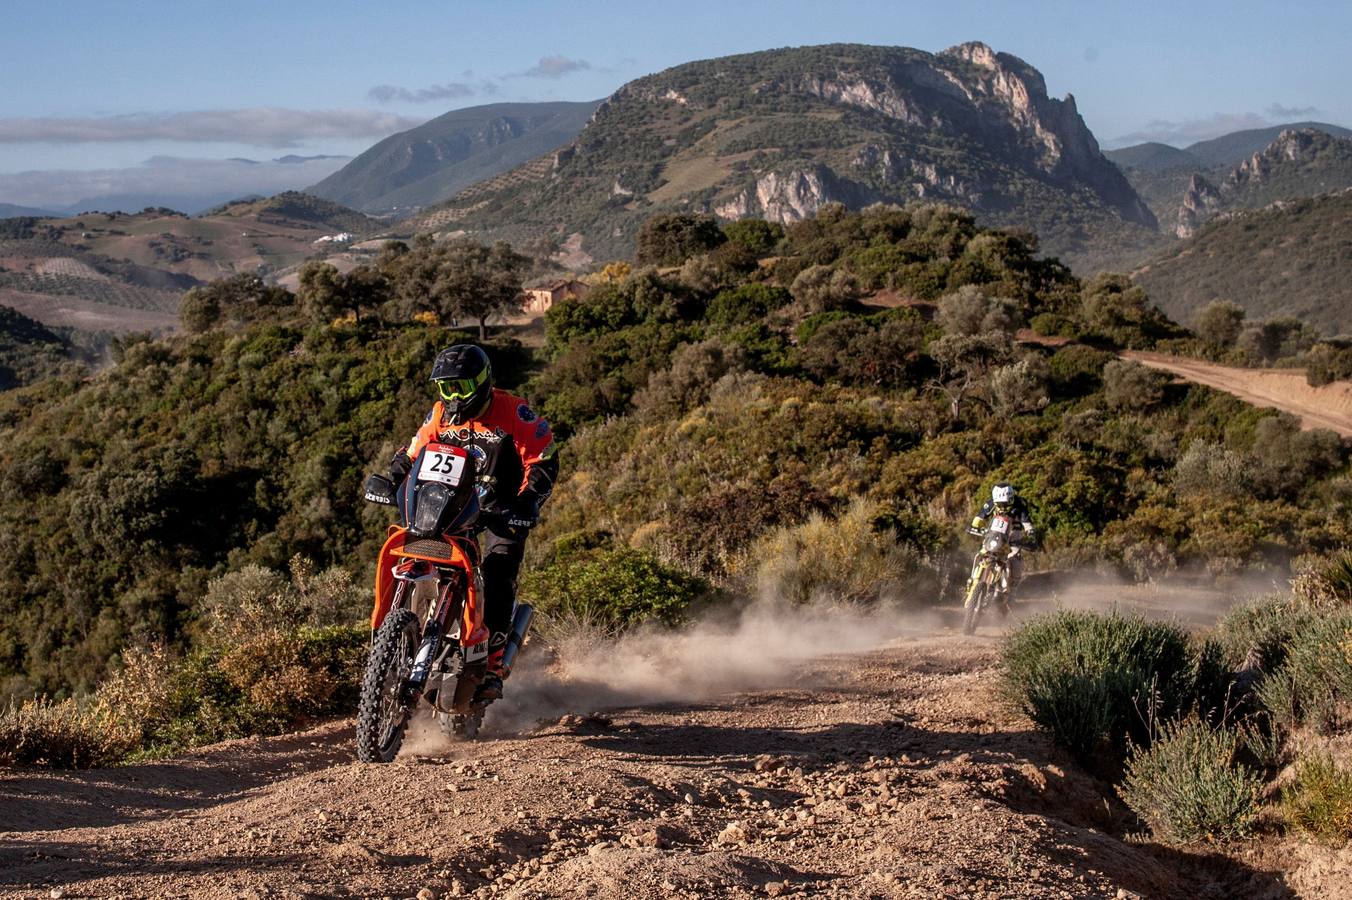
[671, 239]
[757, 235]
[1220, 323]
[968, 310]
[964, 361]
[199, 310]
[462, 279]
[822, 289]
[1131, 386]
[328, 293]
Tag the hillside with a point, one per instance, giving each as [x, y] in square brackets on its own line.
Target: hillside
[1152, 157]
[125, 272]
[10, 210]
[1232, 149]
[1289, 259]
[780, 133]
[430, 163]
[1184, 189]
[28, 351]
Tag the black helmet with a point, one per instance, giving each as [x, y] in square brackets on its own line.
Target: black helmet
[464, 379]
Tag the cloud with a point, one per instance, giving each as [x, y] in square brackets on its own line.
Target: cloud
[259, 126]
[185, 184]
[1277, 111]
[1190, 131]
[466, 86]
[555, 66]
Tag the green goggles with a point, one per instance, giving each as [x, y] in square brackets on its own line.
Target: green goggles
[458, 388]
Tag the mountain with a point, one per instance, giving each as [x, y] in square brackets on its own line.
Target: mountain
[11, 210]
[780, 133]
[1231, 149]
[1288, 259]
[1153, 157]
[298, 207]
[430, 163]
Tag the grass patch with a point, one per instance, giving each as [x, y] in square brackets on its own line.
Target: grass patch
[1320, 800]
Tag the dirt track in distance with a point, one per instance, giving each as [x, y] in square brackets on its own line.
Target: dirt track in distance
[895, 772]
[1329, 406]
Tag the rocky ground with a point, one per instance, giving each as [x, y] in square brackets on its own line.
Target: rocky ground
[896, 772]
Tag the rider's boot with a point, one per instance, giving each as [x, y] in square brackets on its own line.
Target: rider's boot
[491, 687]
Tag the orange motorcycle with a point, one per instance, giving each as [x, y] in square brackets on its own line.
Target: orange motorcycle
[429, 643]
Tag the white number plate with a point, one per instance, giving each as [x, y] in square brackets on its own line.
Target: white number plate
[1000, 525]
[439, 465]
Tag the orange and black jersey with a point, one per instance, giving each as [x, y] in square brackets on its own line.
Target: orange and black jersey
[512, 446]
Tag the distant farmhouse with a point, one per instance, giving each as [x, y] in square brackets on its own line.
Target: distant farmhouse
[540, 299]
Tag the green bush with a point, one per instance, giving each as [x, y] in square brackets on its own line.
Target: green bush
[1188, 786]
[847, 559]
[1094, 680]
[614, 588]
[1319, 801]
[1313, 687]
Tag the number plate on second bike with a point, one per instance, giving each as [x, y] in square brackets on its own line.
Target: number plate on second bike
[444, 464]
[1000, 525]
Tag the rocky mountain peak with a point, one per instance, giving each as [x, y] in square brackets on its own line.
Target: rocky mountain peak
[1294, 145]
[1201, 202]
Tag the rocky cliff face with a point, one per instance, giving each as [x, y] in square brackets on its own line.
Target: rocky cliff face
[1201, 202]
[779, 134]
[1300, 162]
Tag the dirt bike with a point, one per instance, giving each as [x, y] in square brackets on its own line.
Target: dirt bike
[989, 581]
[429, 643]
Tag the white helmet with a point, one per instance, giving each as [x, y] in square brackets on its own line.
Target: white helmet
[1002, 494]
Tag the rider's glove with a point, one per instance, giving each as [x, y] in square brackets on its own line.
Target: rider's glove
[400, 466]
[524, 513]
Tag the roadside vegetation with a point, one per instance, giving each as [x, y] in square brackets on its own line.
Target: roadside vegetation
[807, 412]
[1206, 737]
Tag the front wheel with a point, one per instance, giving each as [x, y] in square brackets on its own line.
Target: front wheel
[977, 596]
[383, 713]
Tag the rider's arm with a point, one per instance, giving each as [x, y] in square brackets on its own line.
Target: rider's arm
[534, 441]
[978, 526]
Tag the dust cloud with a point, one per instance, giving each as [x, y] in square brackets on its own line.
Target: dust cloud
[763, 645]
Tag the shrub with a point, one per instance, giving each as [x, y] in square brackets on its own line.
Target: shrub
[695, 368]
[1187, 785]
[1211, 468]
[1077, 369]
[615, 588]
[968, 310]
[671, 239]
[1257, 634]
[745, 304]
[1131, 386]
[1319, 801]
[821, 289]
[849, 559]
[61, 734]
[1314, 685]
[1096, 680]
[1324, 582]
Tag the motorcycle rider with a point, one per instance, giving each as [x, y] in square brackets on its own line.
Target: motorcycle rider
[513, 450]
[1005, 500]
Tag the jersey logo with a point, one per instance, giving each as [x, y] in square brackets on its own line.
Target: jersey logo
[542, 429]
[525, 413]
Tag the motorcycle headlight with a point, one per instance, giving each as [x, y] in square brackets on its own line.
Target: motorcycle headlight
[431, 500]
[993, 543]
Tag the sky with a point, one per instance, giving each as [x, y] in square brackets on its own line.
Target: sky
[104, 86]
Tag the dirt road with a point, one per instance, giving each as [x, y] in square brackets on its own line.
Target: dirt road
[897, 772]
[1329, 406]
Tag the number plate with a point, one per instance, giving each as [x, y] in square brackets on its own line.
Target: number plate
[444, 464]
[1000, 525]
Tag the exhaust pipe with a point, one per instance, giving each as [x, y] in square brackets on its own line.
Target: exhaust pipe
[525, 614]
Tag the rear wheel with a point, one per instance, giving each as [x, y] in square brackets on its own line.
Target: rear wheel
[383, 713]
[461, 727]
